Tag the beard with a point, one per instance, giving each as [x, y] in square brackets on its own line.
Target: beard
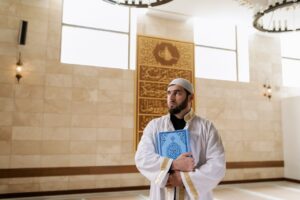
[179, 108]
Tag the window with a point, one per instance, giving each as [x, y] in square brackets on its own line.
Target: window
[96, 33]
[290, 52]
[209, 60]
[94, 47]
[221, 52]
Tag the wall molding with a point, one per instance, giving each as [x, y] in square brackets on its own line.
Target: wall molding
[122, 169]
[252, 181]
[292, 180]
[66, 171]
[120, 189]
[66, 192]
[254, 164]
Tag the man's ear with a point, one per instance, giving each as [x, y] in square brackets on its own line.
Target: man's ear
[191, 97]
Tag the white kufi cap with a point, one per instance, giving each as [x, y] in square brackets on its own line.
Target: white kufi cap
[183, 83]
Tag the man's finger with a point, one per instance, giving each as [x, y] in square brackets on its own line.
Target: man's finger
[187, 154]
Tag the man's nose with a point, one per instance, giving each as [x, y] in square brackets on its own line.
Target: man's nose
[172, 96]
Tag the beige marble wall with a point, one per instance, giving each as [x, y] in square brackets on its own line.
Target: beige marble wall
[68, 115]
[59, 115]
[248, 122]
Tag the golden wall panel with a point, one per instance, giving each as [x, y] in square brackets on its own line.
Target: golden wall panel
[158, 62]
[160, 74]
[150, 90]
[144, 119]
[153, 106]
[169, 51]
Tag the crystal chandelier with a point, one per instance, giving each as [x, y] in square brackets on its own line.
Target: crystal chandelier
[139, 3]
[279, 16]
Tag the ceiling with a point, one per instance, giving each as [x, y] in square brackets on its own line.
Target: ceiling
[217, 10]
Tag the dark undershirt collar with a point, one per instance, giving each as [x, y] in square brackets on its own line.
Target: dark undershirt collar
[177, 123]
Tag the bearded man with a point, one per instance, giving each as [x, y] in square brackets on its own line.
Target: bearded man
[192, 175]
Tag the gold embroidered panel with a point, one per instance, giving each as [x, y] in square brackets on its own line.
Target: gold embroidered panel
[158, 62]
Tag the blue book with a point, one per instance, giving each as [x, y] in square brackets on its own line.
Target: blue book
[172, 144]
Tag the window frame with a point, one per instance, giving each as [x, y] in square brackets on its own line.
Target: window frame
[288, 58]
[237, 52]
[282, 69]
[129, 34]
[221, 49]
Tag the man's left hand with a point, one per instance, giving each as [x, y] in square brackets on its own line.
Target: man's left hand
[174, 180]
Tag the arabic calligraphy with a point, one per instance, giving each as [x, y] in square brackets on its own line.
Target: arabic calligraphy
[153, 106]
[144, 120]
[153, 90]
[158, 74]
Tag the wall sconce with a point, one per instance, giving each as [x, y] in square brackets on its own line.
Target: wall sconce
[22, 41]
[267, 90]
[19, 68]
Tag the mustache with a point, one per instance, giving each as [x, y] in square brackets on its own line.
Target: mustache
[179, 107]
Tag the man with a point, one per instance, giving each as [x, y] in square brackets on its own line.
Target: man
[192, 175]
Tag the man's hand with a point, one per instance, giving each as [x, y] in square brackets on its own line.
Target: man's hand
[174, 179]
[184, 163]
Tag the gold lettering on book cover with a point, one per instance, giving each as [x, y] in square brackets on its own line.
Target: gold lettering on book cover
[158, 62]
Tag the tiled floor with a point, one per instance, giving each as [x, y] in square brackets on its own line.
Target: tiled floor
[259, 191]
[280, 190]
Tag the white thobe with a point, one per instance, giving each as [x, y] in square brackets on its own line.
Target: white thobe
[207, 150]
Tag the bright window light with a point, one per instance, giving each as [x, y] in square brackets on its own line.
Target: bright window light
[290, 45]
[94, 47]
[221, 50]
[215, 64]
[243, 54]
[96, 14]
[290, 72]
[290, 52]
[133, 38]
[97, 33]
[221, 35]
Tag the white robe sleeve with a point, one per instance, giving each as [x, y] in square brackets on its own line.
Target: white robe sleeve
[208, 175]
[154, 167]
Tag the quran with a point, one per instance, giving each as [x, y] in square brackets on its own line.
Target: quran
[171, 144]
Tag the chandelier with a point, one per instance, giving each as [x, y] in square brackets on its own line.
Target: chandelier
[279, 16]
[139, 3]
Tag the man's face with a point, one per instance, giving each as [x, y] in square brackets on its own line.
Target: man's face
[177, 99]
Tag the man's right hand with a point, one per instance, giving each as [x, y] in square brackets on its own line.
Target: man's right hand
[184, 163]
